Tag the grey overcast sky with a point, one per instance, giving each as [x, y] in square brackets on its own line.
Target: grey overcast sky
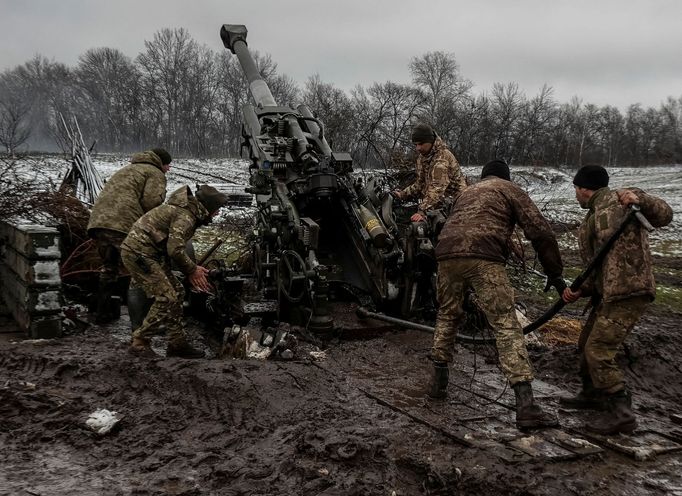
[605, 51]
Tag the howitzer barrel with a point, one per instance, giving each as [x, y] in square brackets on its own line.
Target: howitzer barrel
[234, 38]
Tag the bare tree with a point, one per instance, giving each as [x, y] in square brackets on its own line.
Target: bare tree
[533, 126]
[669, 144]
[15, 108]
[109, 79]
[49, 87]
[385, 113]
[610, 131]
[333, 107]
[507, 100]
[165, 68]
[437, 74]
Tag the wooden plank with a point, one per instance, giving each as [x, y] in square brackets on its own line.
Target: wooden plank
[573, 443]
[32, 299]
[36, 272]
[32, 241]
[641, 445]
[37, 326]
[538, 446]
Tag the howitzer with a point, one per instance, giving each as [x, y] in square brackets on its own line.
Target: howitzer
[317, 227]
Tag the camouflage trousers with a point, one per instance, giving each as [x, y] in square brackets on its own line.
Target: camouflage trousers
[605, 330]
[495, 295]
[159, 283]
[108, 244]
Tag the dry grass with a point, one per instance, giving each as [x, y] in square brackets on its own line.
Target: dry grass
[561, 331]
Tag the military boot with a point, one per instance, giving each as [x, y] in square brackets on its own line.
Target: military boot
[141, 347]
[619, 418]
[438, 389]
[528, 414]
[138, 306]
[105, 311]
[589, 398]
[182, 349]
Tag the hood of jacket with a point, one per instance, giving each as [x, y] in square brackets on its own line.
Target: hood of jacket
[147, 157]
[183, 198]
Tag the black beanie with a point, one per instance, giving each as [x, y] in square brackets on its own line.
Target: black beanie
[497, 168]
[163, 155]
[210, 197]
[423, 133]
[591, 177]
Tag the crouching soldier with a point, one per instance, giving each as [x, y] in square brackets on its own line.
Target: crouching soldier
[127, 195]
[157, 240]
[620, 290]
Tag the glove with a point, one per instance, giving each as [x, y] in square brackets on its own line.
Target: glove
[558, 283]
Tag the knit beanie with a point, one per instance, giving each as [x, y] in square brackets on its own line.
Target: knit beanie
[591, 177]
[497, 168]
[423, 133]
[210, 197]
[163, 155]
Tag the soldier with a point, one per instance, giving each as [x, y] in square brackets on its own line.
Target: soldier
[472, 251]
[620, 290]
[439, 177]
[130, 192]
[156, 240]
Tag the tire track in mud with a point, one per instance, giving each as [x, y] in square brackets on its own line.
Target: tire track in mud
[24, 364]
[199, 174]
[194, 396]
[204, 395]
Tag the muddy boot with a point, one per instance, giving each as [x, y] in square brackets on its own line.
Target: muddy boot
[438, 389]
[141, 347]
[138, 306]
[590, 398]
[619, 417]
[105, 305]
[182, 349]
[528, 414]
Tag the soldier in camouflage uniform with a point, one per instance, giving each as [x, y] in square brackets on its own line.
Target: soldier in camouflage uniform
[156, 240]
[439, 177]
[471, 252]
[130, 192]
[620, 290]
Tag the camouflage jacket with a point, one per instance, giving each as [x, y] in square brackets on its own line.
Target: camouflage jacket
[165, 230]
[482, 222]
[439, 178]
[627, 269]
[130, 192]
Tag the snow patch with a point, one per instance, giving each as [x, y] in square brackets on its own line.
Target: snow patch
[49, 300]
[51, 251]
[47, 272]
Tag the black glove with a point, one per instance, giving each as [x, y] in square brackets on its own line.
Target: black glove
[556, 282]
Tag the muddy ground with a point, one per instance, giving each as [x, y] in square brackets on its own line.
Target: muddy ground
[349, 421]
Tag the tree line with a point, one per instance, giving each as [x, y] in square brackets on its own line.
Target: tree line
[188, 98]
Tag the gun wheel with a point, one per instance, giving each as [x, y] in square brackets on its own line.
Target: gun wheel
[291, 277]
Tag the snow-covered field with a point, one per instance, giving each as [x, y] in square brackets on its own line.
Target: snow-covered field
[551, 188]
[553, 191]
